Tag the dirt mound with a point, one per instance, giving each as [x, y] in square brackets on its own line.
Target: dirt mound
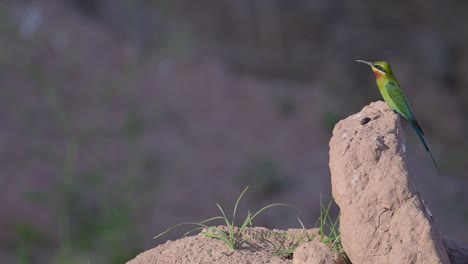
[260, 245]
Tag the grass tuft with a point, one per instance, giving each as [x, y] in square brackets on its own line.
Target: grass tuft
[332, 238]
[233, 236]
[328, 234]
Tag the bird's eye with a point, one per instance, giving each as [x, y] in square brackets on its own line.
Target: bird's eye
[380, 68]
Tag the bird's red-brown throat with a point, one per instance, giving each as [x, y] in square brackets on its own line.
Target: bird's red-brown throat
[378, 74]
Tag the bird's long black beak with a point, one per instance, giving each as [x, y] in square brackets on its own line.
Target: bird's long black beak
[366, 62]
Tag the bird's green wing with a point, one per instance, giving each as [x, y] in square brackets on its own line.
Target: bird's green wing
[400, 100]
[403, 107]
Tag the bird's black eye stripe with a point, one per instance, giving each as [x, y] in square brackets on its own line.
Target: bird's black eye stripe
[380, 68]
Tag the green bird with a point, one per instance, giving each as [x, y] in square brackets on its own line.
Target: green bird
[395, 97]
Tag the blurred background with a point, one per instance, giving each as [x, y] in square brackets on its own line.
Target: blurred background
[121, 118]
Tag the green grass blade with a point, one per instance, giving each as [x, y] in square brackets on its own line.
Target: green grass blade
[324, 216]
[226, 220]
[175, 226]
[210, 219]
[216, 231]
[333, 226]
[285, 252]
[200, 224]
[309, 238]
[247, 221]
[272, 205]
[221, 235]
[193, 230]
[237, 203]
[224, 215]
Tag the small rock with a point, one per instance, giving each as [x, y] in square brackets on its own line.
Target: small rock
[316, 252]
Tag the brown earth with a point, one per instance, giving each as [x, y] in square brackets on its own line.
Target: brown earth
[260, 245]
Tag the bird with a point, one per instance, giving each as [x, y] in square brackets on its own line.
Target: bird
[395, 97]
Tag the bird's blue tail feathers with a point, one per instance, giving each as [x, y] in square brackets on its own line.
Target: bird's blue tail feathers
[420, 133]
